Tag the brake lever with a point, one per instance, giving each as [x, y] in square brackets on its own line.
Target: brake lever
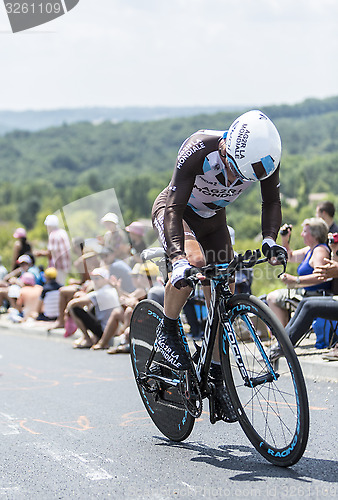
[282, 261]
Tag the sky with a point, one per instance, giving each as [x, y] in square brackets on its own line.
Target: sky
[172, 53]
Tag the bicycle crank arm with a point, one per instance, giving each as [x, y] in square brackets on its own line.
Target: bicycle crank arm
[168, 381]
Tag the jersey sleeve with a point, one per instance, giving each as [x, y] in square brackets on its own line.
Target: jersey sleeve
[189, 163]
[271, 206]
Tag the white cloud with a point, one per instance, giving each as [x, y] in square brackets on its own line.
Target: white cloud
[182, 52]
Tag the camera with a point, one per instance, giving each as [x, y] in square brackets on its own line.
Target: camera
[333, 238]
[285, 229]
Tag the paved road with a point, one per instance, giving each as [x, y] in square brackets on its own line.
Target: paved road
[72, 426]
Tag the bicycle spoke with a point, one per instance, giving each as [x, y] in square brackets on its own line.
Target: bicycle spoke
[269, 403]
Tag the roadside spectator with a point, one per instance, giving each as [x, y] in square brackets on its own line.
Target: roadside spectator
[311, 308]
[119, 321]
[115, 239]
[118, 268]
[49, 299]
[29, 296]
[103, 300]
[58, 248]
[21, 246]
[11, 284]
[326, 211]
[27, 264]
[136, 232]
[3, 270]
[85, 264]
[312, 255]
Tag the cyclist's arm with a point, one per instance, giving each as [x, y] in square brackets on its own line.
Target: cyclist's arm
[271, 206]
[179, 192]
[180, 188]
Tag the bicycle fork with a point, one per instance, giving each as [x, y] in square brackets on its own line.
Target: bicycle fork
[230, 337]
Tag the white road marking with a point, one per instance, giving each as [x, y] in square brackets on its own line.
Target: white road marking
[9, 425]
[84, 464]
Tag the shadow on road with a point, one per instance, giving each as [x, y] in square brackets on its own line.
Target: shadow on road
[250, 466]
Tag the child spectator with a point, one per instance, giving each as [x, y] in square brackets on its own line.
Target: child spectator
[49, 300]
[29, 296]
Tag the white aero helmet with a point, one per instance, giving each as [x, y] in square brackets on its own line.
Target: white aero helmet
[253, 146]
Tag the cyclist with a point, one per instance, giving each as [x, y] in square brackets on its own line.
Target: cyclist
[212, 169]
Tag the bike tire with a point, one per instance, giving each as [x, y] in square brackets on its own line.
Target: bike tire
[174, 423]
[273, 414]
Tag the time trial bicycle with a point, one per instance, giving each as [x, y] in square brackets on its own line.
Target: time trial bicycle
[269, 397]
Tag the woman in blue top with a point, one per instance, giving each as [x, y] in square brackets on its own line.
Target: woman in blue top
[312, 255]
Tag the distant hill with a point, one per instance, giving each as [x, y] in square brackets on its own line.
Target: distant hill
[37, 120]
[45, 169]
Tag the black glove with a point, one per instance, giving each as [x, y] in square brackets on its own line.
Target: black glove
[271, 249]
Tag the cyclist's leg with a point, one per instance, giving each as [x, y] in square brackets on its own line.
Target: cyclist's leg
[175, 299]
[214, 238]
[217, 247]
[169, 340]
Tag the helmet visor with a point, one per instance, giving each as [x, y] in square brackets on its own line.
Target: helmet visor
[234, 170]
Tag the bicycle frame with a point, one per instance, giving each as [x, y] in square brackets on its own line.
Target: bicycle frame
[220, 294]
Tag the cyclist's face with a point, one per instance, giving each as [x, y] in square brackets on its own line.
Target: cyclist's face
[232, 174]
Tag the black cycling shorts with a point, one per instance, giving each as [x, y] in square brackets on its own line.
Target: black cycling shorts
[212, 233]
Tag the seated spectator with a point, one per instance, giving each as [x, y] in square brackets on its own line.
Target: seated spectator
[28, 300]
[310, 308]
[10, 286]
[21, 246]
[103, 300]
[136, 239]
[118, 268]
[118, 325]
[312, 255]
[27, 264]
[49, 299]
[115, 239]
[77, 288]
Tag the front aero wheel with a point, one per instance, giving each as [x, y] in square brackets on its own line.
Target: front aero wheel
[162, 401]
[270, 398]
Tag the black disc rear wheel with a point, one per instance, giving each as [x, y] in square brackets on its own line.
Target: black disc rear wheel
[273, 407]
[163, 402]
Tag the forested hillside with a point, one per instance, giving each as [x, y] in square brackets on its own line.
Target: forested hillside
[42, 171]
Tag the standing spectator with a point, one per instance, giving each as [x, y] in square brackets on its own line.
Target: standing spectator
[21, 246]
[58, 248]
[49, 300]
[136, 238]
[114, 239]
[326, 211]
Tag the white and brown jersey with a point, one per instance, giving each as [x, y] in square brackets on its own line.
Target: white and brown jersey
[200, 183]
